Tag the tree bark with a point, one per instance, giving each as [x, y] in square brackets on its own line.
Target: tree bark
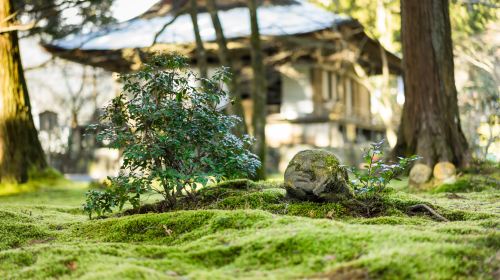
[225, 60]
[20, 149]
[430, 124]
[259, 93]
[201, 56]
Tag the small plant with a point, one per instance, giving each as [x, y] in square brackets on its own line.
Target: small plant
[378, 173]
[98, 202]
[173, 134]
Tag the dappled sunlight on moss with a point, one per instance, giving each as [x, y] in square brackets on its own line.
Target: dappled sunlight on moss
[251, 243]
[18, 229]
[245, 229]
[37, 180]
[469, 183]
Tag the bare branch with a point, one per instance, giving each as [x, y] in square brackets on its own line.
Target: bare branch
[20, 27]
[41, 65]
[9, 17]
[422, 208]
[181, 11]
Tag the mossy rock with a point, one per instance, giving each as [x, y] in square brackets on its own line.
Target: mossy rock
[317, 175]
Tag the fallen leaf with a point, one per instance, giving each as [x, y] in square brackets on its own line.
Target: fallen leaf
[167, 230]
[72, 265]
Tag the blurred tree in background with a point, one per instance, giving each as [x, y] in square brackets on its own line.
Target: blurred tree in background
[430, 123]
[20, 149]
[381, 18]
[474, 47]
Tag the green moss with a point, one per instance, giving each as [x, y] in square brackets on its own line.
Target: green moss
[14, 260]
[391, 220]
[215, 244]
[459, 186]
[45, 174]
[492, 223]
[152, 228]
[18, 229]
[251, 230]
[37, 180]
[316, 210]
[491, 240]
[238, 184]
[470, 183]
[271, 197]
[251, 200]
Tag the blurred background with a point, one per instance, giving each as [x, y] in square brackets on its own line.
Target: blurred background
[333, 70]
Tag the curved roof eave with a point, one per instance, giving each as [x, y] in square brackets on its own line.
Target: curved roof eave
[274, 20]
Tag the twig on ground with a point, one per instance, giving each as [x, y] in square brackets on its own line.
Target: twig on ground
[422, 208]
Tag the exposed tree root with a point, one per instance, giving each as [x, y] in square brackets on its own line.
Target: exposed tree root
[455, 196]
[158, 207]
[422, 208]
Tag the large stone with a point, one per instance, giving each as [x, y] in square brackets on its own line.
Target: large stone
[317, 175]
[444, 172]
[419, 175]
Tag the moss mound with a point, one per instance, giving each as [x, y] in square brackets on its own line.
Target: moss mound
[220, 244]
[251, 230]
[17, 230]
[470, 183]
[167, 228]
[271, 197]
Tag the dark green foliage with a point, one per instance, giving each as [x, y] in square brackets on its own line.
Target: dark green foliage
[173, 134]
[378, 174]
[101, 202]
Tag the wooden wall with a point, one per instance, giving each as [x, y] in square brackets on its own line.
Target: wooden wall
[338, 93]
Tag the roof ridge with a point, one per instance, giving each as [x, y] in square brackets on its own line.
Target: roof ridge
[174, 7]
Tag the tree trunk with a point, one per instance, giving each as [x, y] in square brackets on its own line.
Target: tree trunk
[72, 130]
[201, 56]
[225, 60]
[430, 124]
[259, 92]
[20, 149]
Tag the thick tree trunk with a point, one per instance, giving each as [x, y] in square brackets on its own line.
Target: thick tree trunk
[225, 60]
[259, 93]
[201, 56]
[20, 149]
[430, 124]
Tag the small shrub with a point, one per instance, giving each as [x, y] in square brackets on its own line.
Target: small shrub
[378, 173]
[173, 135]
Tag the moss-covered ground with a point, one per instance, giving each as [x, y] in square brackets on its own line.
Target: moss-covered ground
[248, 230]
